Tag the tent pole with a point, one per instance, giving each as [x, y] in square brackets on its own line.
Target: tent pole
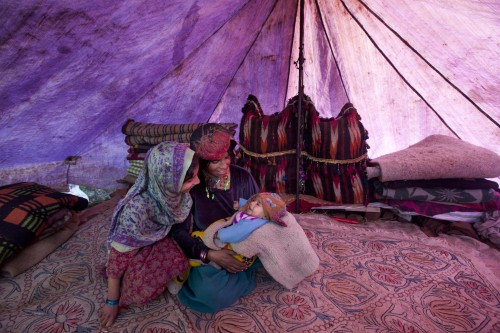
[299, 109]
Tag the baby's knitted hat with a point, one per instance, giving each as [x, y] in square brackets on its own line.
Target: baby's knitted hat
[273, 205]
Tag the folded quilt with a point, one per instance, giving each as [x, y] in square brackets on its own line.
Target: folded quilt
[285, 252]
[436, 194]
[132, 127]
[490, 227]
[431, 209]
[132, 140]
[469, 217]
[461, 183]
[144, 134]
[139, 149]
[136, 156]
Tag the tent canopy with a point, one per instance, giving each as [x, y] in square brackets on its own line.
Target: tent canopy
[74, 71]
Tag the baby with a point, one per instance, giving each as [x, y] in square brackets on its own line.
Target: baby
[260, 209]
[262, 228]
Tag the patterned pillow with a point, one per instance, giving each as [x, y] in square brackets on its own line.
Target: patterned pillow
[333, 154]
[267, 146]
[336, 153]
[24, 211]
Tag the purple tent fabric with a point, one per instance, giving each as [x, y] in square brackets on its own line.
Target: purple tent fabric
[74, 72]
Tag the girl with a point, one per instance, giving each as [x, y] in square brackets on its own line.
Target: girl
[141, 258]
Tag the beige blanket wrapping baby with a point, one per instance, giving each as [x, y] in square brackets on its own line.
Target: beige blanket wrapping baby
[285, 252]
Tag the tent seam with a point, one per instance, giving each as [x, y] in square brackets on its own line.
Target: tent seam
[331, 49]
[428, 63]
[395, 69]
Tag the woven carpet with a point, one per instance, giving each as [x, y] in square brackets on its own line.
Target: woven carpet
[382, 276]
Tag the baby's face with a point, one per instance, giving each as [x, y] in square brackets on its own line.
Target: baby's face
[255, 209]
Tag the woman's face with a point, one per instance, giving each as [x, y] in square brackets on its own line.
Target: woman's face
[190, 183]
[219, 168]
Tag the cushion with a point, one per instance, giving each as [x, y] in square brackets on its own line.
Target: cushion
[436, 157]
[336, 154]
[25, 209]
[267, 146]
[333, 157]
[40, 249]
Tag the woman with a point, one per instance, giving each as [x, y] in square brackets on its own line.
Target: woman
[221, 186]
[141, 258]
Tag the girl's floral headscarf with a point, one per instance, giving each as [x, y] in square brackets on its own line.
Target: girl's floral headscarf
[154, 203]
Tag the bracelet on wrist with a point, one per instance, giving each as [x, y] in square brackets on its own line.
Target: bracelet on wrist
[204, 256]
[112, 302]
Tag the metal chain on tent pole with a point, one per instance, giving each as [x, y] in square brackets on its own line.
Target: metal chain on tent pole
[299, 109]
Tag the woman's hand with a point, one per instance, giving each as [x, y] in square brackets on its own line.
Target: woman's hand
[225, 259]
[108, 314]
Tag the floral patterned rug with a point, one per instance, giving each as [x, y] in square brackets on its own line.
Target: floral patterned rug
[382, 276]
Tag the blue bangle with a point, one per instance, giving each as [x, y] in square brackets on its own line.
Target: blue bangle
[112, 303]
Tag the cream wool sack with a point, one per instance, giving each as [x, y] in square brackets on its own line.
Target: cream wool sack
[285, 252]
[435, 157]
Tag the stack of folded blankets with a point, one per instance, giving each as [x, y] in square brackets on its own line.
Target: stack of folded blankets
[140, 137]
[441, 183]
[465, 200]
